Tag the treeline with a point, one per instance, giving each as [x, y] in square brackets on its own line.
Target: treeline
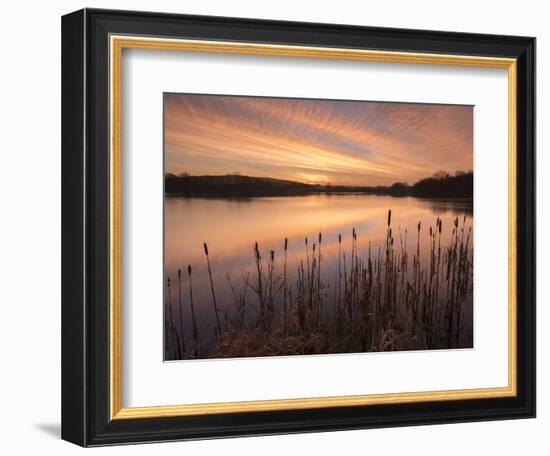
[461, 184]
[234, 185]
[441, 184]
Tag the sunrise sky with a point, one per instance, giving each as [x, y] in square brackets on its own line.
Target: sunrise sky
[315, 141]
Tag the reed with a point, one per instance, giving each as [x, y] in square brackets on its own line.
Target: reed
[180, 308]
[319, 269]
[193, 318]
[271, 268]
[285, 289]
[259, 289]
[378, 302]
[339, 270]
[170, 321]
[218, 326]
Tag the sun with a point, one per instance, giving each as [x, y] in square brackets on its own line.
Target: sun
[311, 178]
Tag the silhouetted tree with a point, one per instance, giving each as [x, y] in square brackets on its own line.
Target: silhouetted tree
[441, 184]
[445, 185]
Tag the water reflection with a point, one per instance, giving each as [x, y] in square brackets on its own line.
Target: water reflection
[232, 227]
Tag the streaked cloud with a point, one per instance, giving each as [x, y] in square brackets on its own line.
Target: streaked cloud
[321, 141]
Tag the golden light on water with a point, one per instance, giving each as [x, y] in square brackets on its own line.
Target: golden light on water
[252, 240]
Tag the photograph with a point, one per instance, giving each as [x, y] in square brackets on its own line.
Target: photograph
[285, 223]
[297, 226]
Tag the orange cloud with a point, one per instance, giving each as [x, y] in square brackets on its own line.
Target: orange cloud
[326, 141]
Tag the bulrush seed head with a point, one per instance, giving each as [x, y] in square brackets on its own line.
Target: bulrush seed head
[368, 278]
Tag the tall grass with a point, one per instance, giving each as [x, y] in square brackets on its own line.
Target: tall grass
[382, 300]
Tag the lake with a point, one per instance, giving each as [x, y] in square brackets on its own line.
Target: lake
[232, 227]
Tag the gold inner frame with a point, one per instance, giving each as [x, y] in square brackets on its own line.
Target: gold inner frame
[116, 46]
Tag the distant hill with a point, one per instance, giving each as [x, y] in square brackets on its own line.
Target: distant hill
[236, 185]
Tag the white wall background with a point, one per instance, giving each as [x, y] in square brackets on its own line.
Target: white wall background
[30, 262]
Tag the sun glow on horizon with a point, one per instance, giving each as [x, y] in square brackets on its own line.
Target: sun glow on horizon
[315, 141]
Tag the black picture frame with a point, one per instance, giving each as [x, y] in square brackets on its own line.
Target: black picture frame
[85, 228]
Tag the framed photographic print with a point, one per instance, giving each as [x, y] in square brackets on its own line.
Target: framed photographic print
[275, 227]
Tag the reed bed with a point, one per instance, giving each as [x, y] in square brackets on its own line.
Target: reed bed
[385, 298]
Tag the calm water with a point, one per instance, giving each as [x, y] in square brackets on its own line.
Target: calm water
[231, 227]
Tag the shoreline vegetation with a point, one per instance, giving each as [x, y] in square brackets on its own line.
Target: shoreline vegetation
[388, 297]
[441, 184]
